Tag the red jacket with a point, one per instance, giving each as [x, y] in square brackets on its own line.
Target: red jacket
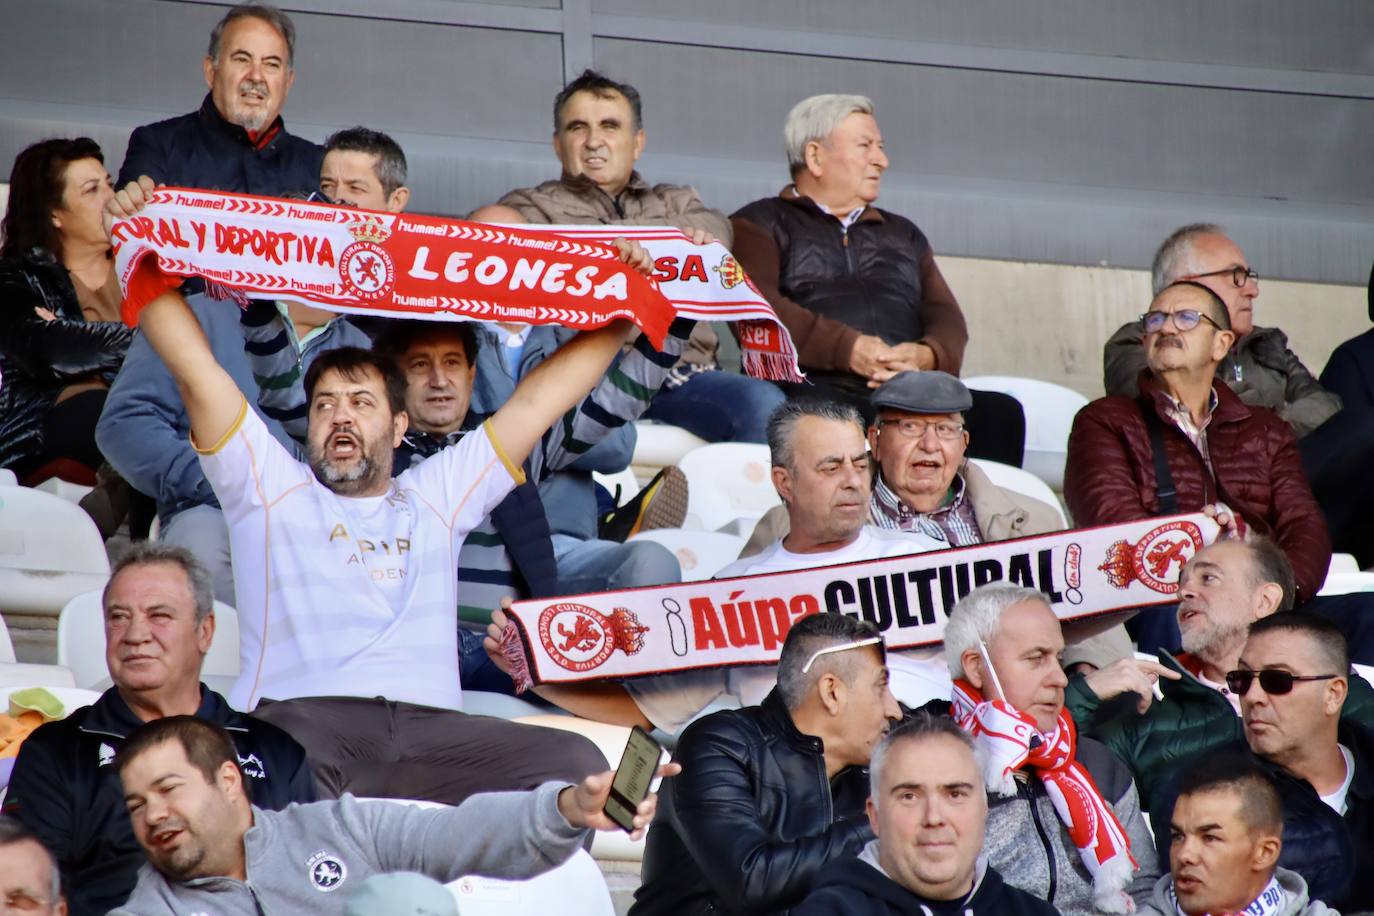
[1110, 474]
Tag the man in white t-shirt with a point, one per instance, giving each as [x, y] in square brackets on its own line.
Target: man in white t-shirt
[821, 471]
[346, 578]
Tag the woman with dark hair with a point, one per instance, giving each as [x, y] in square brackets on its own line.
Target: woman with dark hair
[61, 340]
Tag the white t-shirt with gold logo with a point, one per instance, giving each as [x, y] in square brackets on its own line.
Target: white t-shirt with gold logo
[349, 596]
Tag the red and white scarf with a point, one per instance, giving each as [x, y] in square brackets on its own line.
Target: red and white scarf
[1010, 740]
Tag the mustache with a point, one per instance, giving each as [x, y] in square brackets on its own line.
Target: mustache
[251, 85]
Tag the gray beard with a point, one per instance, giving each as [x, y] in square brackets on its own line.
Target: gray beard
[345, 482]
[1212, 642]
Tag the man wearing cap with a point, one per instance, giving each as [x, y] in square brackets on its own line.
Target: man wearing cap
[925, 482]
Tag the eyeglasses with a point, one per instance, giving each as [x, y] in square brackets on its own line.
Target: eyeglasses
[916, 429]
[1239, 275]
[1184, 320]
[1273, 681]
[844, 647]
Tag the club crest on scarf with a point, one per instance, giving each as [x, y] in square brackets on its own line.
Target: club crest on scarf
[1156, 559]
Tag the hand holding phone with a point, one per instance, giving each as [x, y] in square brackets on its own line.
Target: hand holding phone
[635, 777]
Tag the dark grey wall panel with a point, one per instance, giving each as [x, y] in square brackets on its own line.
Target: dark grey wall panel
[1078, 131]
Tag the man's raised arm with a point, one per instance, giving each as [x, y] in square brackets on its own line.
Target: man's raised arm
[213, 401]
[565, 378]
[212, 398]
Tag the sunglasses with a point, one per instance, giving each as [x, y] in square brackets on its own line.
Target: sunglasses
[1184, 320]
[1273, 681]
[844, 647]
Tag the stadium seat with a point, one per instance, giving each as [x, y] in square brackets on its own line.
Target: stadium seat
[1343, 583]
[81, 644]
[1343, 563]
[7, 478]
[1050, 410]
[50, 552]
[575, 888]
[728, 482]
[66, 489]
[701, 554]
[659, 445]
[1023, 482]
[6, 646]
[24, 674]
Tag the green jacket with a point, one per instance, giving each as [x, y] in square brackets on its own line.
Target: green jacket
[1191, 719]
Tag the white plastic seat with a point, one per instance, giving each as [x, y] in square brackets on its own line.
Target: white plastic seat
[50, 552]
[1345, 583]
[728, 481]
[1343, 563]
[14, 675]
[701, 554]
[64, 489]
[81, 643]
[659, 445]
[1364, 671]
[6, 645]
[7, 478]
[575, 888]
[1023, 482]
[1050, 410]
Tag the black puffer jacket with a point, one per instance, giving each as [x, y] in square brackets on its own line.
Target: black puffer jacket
[751, 820]
[39, 358]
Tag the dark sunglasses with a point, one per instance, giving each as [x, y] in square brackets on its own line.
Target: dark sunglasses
[1184, 320]
[1273, 681]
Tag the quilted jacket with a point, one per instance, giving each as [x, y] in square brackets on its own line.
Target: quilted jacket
[1110, 474]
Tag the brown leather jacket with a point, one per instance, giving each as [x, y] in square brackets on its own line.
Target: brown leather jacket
[579, 201]
[1110, 473]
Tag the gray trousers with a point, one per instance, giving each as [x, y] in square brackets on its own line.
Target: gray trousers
[384, 749]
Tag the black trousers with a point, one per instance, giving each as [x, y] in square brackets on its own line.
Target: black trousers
[384, 749]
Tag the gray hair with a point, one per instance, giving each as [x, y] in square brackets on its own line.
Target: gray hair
[12, 832]
[975, 617]
[1174, 258]
[149, 553]
[812, 120]
[922, 726]
[268, 14]
[808, 636]
[782, 425]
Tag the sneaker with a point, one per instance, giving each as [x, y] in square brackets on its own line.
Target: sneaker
[662, 504]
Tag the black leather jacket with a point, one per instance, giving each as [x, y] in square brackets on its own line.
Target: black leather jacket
[751, 820]
[39, 358]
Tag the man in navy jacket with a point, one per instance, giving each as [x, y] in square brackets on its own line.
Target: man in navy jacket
[237, 141]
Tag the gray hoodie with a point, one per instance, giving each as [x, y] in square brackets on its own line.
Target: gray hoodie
[1292, 883]
[307, 858]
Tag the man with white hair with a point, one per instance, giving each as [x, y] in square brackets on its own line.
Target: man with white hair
[857, 287]
[1064, 820]
[928, 810]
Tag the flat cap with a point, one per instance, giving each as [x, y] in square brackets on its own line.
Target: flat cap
[932, 392]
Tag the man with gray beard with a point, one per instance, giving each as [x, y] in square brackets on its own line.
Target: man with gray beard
[1223, 589]
[237, 140]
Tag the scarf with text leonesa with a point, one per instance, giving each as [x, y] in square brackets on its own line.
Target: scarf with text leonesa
[723, 623]
[1011, 740]
[412, 266]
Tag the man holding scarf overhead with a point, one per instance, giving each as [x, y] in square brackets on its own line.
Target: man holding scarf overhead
[1064, 820]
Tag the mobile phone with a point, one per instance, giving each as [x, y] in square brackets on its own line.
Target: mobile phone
[634, 778]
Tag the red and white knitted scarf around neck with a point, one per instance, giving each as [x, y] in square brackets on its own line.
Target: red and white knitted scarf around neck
[1011, 740]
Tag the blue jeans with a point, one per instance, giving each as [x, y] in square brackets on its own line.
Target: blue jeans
[600, 566]
[718, 406]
